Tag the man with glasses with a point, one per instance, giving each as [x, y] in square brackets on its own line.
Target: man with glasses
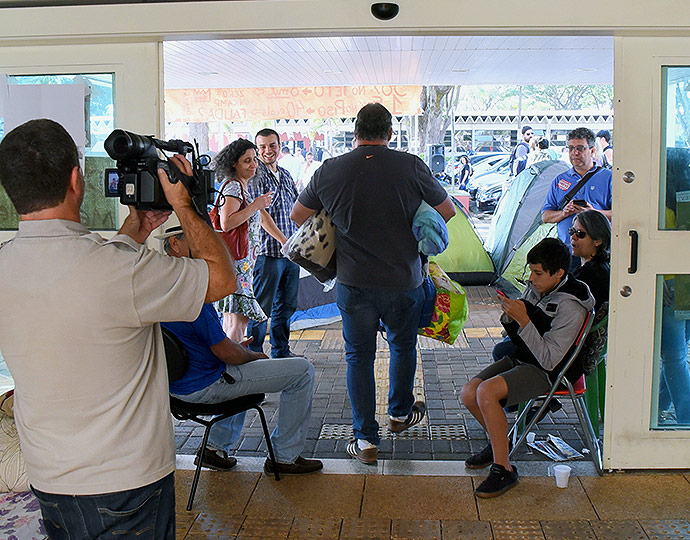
[595, 194]
[518, 158]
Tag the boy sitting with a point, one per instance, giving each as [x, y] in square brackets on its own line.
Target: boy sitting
[543, 326]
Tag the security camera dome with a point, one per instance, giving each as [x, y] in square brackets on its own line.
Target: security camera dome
[384, 11]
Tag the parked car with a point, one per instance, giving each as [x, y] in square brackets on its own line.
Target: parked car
[490, 192]
[500, 167]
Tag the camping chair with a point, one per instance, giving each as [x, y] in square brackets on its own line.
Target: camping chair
[176, 359]
[562, 387]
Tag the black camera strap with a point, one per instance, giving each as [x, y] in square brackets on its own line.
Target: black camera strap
[569, 196]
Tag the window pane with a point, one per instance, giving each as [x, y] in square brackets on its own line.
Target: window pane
[671, 395]
[674, 185]
[98, 212]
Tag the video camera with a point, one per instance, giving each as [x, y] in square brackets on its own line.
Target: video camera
[135, 181]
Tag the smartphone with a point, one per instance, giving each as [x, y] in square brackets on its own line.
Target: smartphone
[580, 202]
[501, 293]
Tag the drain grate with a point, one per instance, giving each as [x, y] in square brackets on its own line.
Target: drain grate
[454, 432]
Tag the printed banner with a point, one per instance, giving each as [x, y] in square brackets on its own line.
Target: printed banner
[251, 104]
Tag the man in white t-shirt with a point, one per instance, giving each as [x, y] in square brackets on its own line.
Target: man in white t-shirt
[79, 331]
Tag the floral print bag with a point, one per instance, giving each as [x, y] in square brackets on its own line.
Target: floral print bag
[450, 309]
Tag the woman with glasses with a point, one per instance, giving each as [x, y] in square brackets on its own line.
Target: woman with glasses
[590, 240]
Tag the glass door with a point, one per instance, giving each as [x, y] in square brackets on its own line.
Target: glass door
[648, 376]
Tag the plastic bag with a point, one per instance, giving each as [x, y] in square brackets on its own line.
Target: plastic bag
[450, 309]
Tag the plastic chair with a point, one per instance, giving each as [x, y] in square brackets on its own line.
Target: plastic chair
[562, 387]
[176, 360]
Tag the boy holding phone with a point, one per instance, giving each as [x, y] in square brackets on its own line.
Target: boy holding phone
[542, 326]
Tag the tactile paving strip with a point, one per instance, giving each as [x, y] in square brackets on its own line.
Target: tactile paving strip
[183, 522]
[568, 530]
[618, 530]
[365, 529]
[307, 528]
[413, 529]
[517, 530]
[419, 432]
[666, 529]
[265, 528]
[217, 525]
[466, 530]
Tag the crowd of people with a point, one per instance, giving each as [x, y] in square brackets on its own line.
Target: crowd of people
[95, 376]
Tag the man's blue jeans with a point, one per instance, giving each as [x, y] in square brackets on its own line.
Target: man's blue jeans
[276, 284]
[361, 310]
[145, 513]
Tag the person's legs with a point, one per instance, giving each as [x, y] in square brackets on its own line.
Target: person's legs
[145, 513]
[284, 307]
[265, 282]
[489, 395]
[360, 324]
[294, 378]
[225, 434]
[674, 352]
[400, 313]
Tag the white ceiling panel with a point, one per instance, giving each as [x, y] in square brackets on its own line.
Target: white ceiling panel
[346, 61]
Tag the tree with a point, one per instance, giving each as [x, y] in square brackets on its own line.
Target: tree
[198, 131]
[682, 110]
[437, 103]
[571, 97]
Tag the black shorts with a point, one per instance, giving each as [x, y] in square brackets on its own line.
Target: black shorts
[524, 381]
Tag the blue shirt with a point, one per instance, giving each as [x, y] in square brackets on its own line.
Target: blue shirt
[597, 192]
[198, 337]
[284, 197]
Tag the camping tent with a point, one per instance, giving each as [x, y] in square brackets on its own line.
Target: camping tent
[465, 260]
[315, 306]
[517, 225]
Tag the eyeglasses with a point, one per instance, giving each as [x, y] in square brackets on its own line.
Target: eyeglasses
[577, 232]
[578, 148]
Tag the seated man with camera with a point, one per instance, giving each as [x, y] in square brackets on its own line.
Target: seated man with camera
[543, 325]
[221, 369]
[79, 330]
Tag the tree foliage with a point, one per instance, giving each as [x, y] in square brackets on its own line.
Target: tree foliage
[683, 109]
[570, 97]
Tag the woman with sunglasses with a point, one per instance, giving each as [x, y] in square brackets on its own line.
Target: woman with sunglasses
[590, 238]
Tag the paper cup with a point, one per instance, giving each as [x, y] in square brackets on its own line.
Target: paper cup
[562, 473]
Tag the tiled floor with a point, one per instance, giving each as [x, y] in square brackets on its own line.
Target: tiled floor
[252, 506]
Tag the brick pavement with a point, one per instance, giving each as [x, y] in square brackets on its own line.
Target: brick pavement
[448, 433]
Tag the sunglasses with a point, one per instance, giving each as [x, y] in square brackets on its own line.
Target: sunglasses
[577, 232]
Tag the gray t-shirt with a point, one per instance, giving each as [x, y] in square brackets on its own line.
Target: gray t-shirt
[372, 194]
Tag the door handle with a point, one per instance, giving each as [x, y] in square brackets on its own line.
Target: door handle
[634, 241]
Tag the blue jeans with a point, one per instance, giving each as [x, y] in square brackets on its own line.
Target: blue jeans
[276, 284]
[361, 310]
[675, 375]
[292, 377]
[145, 513]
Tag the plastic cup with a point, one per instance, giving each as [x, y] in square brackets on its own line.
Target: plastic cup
[530, 437]
[562, 473]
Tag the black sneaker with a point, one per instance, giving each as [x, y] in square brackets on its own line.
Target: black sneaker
[481, 459]
[498, 482]
[217, 460]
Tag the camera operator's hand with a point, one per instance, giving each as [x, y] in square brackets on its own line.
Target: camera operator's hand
[176, 194]
[139, 223]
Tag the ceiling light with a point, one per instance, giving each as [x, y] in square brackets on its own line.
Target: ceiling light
[207, 73]
[332, 71]
[588, 70]
[460, 70]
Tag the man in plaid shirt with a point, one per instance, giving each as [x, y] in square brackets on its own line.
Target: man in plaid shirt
[276, 279]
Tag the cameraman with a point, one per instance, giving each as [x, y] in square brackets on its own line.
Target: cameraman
[79, 332]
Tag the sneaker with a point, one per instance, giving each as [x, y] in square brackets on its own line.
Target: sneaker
[481, 459]
[300, 466]
[415, 417]
[218, 460]
[498, 482]
[368, 456]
